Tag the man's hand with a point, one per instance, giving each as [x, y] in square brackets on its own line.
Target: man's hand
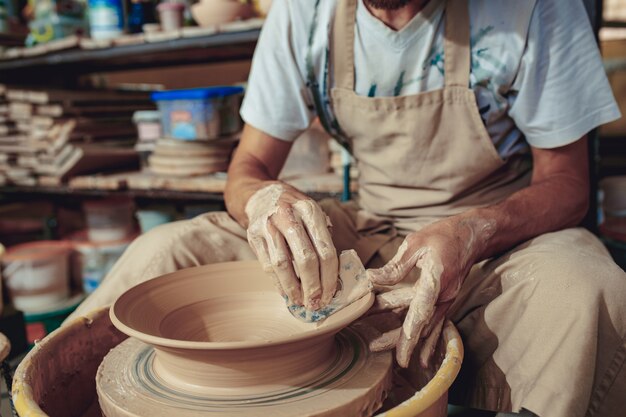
[443, 253]
[290, 235]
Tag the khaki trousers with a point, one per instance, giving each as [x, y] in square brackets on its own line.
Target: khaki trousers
[543, 325]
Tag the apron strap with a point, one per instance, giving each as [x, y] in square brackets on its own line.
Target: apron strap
[456, 44]
[457, 54]
[343, 44]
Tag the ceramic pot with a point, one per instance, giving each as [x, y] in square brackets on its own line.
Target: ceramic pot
[216, 12]
[224, 326]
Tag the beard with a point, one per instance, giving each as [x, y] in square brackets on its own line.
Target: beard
[387, 4]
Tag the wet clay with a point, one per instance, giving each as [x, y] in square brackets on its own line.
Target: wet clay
[290, 235]
[351, 382]
[221, 337]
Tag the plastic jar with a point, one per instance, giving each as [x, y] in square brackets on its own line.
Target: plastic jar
[148, 124]
[37, 274]
[171, 16]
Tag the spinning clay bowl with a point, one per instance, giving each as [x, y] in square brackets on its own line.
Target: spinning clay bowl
[216, 331]
[224, 327]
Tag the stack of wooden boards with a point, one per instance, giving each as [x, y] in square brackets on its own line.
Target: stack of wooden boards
[49, 135]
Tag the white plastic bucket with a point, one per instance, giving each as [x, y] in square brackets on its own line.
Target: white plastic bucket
[37, 274]
[94, 260]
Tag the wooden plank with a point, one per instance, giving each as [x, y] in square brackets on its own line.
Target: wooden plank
[147, 180]
[69, 42]
[89, 43]
[48, 181]
[93, 112]
[157, 37]
[27, 161]
[51, 110]
[56, 158]
[135, 39]
[62, 165]
[34, 51]
[75, 97]
[195, 31]
[13, 53]
[20, 110]
[99, 182]
[88, 159]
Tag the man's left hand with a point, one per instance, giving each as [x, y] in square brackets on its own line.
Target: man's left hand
[443, 252]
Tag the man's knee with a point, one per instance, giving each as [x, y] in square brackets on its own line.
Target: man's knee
[574, 273]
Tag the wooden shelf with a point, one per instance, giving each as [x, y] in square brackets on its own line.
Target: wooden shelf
[145, 186]
[39, 192]
[50, 67]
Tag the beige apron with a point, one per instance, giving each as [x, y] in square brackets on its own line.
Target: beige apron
[543, 325]
[424, 156]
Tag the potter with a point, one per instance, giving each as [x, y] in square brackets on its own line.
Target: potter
[468, 124]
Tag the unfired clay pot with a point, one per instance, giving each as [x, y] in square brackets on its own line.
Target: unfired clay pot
[209, 324]
[216, 12]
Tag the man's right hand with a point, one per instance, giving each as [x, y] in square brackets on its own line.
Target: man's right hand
[290, 235]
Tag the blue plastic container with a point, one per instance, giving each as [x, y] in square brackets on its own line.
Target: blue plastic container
[201, 113]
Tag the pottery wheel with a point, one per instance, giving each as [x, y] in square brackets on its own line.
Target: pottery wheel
[354, 384]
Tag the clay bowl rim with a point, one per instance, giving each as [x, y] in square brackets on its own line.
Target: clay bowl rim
[331, 325]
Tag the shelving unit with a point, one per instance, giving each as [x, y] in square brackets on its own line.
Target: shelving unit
[63, 63]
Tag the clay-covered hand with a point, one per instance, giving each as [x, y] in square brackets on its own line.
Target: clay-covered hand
[443, 252]
[290, 235]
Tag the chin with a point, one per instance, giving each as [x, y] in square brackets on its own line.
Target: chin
[387, 4]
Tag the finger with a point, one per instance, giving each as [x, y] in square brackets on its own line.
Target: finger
[441, 310]
[420, 312]
[385, 341]
[281, 263]
[317, 224]
[397, 268]
[259, 247]
[304, 255]
[428, 348]
[391, 300]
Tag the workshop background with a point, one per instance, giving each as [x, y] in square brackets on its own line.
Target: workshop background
[105, 133]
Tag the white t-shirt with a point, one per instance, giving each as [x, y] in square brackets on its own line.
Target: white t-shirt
[536, 69]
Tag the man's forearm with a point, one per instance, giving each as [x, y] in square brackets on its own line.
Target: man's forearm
[256, 163]
[244, 179]
[552, 204]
